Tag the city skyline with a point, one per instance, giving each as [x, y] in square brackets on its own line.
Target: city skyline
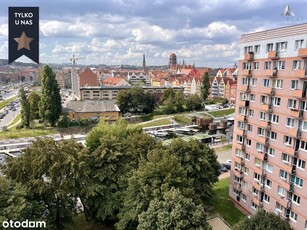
[206, 33]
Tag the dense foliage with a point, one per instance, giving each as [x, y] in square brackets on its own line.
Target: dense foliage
[205, 86]
[123, 177]
[25, 108]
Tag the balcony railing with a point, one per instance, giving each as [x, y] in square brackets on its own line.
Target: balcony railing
[302, 52]
[273, 55]
[272, 73]
[249, 56]
[300, 73]
[247, 72]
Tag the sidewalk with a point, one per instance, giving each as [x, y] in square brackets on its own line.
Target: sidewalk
[218, 145]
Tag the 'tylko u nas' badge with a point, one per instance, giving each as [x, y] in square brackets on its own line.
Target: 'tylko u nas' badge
[23, 33]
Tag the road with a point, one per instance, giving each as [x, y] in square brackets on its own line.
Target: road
[5, 121]
[224, 156]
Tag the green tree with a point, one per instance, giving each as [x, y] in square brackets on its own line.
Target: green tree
[16, 202]
[179, 101]
[172, 101]
[50, 104]
[51, 171]
[33, 100]
[262, 221]
[173, 211]
[123, 100]
[154, 177]
[25, 108]
[113, 152]
[205, 86]
[193, 102]
[201, 165]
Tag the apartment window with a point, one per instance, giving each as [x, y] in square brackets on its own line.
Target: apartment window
[243, 96]
[262, 115]
[283, 175]
[298, 44]
[240, 139]
[249, 128]
[263, 99]
[274, 118]
[277, 84]
[282, 192]
[287, 140]
[248, 142]
[271, 152]
[251, 112]
[235, 192]
[290, 122]
[237, 180]
[267, 183]
[247, 65]
[256, 65]
[300, 163]
[243, 198]
[297, 181]
[291, 104]
[237, 166]
[267, 65]
[252, 97]
[260, 131]
[296, 64]
[258, 162]
[244, 81]
[254, 81]
[265, 82]
[254, 206]
[272, 135]
[281, 46]
[244, 184]
[266, 198]
[241, 125]
[255, 191]
[294, 84]
[257, 49]
[304, 126]
[303, 105]
[276, 101]
[247, 156]
[303, 145]
[248, 49]
[279, 65]
[259, 147]
[246, 170]
[293, 216]
[239, 153]
[242, 111]
[257, 177]
[296, 199]
[285, 158]
[269, 168]
[269, 47]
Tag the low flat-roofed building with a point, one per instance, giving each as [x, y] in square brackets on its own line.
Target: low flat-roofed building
[93, 109]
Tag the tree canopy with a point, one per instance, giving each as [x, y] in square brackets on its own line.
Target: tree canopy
[262, 221]
[33, 100]
[25, 108]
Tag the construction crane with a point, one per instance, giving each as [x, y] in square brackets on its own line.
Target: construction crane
[74, 80]
[74, 59]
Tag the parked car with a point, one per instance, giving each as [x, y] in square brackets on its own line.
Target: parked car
[226, 165]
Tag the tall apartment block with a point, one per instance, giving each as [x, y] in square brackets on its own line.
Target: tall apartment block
[270, 135]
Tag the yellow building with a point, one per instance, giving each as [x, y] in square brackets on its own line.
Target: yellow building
[95, 109]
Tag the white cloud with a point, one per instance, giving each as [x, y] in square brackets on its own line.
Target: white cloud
[4, 30]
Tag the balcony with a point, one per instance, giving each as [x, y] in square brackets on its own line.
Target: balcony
[295, 133]
[291, 151]
[241, 118]
[296, 113]
[300, 73]
[263, 123]
[245, 88]
[240, 132]
[243, 103]
[271, 73]
[258, 170]
[263, 156]
[269, 127]
[249, 56]
[256, 200]
[239, 146]
[286, 185]
[266, 107]
[238, 174]
[238, 159]
[258, 186]
[247, 73]
[237, 186]
[283, 201]
[287, 168]
[302, 52]
[269, 91]
[261, 140]
[298, 93]
[273, 55]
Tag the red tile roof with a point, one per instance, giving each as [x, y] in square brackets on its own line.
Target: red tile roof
[88, 78]
[112, 80]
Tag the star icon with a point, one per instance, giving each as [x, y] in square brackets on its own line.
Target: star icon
[23, 41]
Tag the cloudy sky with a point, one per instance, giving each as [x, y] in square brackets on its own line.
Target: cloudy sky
[204, 32]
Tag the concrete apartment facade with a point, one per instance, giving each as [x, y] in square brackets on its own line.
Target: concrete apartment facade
[270, 135]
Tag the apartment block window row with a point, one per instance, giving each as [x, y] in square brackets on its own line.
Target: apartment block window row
[266, 198]
[293, 216]
[299, 163]
[274, 118]
[297, 181]
[295, 199]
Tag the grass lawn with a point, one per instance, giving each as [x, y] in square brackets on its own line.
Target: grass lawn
[80, 223]
[182, 119]
[6, 102]
[222, 203]
[12, 134]
[220, 113]
[223, 148]
[156, 123]
[16, 119]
